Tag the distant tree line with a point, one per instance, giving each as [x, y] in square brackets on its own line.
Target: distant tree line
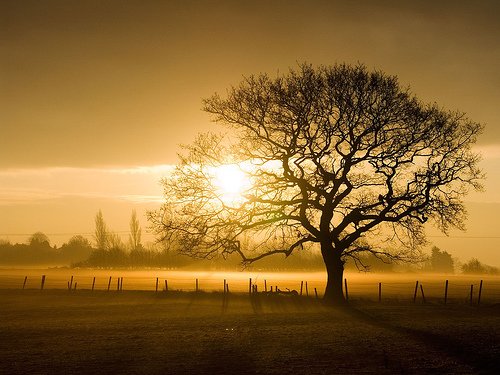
[474, 266]
[38, 251]
[441, 261]
[108, 250]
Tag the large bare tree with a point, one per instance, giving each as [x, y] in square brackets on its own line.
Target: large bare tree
[341, 157]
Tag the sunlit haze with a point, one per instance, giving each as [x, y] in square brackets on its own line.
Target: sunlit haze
[97, 96]
[239, 187]
[230, 182]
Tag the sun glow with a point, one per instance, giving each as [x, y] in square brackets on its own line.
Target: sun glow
[230, 182]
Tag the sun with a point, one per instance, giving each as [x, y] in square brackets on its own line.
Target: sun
[230, 182]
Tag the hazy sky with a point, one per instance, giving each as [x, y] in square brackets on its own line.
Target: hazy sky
[91, 90]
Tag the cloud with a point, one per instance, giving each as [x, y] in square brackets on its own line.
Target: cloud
[133, 184]
[23, 196]
[162, 169]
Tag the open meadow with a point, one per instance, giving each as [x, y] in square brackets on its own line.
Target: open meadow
[183, 332]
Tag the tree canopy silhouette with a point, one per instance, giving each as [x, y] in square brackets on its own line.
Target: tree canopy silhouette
[337, 156]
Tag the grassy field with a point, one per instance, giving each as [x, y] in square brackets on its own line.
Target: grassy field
[140, 332]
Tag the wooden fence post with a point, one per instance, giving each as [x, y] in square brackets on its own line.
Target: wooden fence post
[415, 294]
[265, 285]
[346, 290]
[43, 282]
[25, 280]
[224, 286]
[380, 292]
[316, 293]
[109, 283]
[196, 284]
[117, 283]
[93, 283]
[75, 286]
[471, 292]
[71, 283]
[446, 292]
[156, 288]
[166, 285]
[250, 286]
[301, 285]
[479, 295]
[307, 290]
[422, 290]
[121, 284]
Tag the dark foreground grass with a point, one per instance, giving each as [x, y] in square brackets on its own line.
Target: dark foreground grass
[58, 332]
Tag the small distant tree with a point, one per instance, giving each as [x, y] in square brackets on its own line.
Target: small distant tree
[135, 233]
[340, 157]
[78, 241]
[474, 266]
[115, 242]
[101, 234]
[39, 239]
[441, 261]
[77, 249]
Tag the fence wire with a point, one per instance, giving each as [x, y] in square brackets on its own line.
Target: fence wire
[377, 287]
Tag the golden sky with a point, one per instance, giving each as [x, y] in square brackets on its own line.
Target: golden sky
[92, 90]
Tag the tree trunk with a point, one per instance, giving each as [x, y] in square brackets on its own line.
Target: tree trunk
[335, 271]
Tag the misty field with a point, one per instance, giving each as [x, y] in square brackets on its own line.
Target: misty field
[140, 331]
[361, 286]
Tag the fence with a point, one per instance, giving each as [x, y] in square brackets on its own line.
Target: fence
[376, 287]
